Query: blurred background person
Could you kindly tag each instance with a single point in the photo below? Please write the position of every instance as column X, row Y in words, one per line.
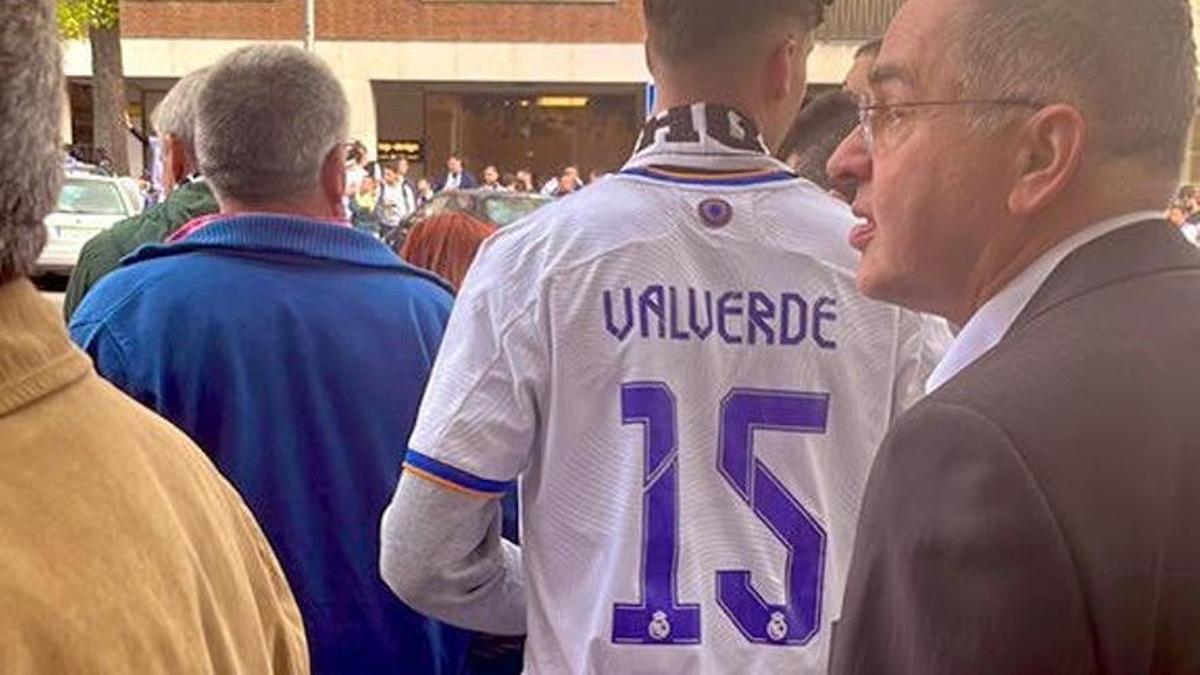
column 397, row 196
column 858, row 77
column 555, row 186
column 446, row 245
column 425, row 192
column 820, row 127
column 1187, row 197
column 525, row 181
column 273, row 337
column 1190, row 228
column 1177, row 213
column 124, row 550
column 149, row 192
column 457, row 177
column 356, row 165
column 509, row 181
column 363, row 206
column 565, row 184
column 187, row 194
column 491, row 179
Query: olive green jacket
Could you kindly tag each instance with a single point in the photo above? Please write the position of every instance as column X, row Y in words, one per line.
column 102, row 254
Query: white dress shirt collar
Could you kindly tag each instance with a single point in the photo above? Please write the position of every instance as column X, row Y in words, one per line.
column 988, row 325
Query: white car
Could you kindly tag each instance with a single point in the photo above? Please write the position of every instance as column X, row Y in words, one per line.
column 87, row 205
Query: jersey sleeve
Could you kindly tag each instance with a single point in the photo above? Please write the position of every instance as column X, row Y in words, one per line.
column 480, row 416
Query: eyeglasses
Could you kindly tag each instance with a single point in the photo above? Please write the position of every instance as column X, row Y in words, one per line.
column 876, row 119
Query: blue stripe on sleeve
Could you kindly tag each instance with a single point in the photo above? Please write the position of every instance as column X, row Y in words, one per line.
column 455, row 475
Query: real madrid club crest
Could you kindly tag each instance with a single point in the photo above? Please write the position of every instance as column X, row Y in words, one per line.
column 777, row 628
column 660, row 627
column 716, row 212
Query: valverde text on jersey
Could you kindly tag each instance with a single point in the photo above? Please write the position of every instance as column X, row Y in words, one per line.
column 735, row 317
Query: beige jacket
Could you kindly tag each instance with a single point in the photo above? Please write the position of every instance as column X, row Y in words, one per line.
column 122, row 550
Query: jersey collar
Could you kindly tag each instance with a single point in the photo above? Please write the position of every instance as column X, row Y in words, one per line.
column 703, row 141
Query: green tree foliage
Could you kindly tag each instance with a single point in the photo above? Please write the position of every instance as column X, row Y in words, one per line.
column 99, row 22
column 76, row 18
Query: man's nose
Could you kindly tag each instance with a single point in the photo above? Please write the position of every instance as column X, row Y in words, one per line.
column 851, row 162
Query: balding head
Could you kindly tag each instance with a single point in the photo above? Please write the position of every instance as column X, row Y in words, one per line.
column 1129, row 67
column 30, row 109
column 1000, row 129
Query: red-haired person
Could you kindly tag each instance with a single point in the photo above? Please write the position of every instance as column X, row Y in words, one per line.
column 446, row 245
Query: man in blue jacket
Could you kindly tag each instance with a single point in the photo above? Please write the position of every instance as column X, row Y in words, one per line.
column 291, row 348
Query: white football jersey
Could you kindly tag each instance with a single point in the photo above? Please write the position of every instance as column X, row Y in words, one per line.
column 679, row 367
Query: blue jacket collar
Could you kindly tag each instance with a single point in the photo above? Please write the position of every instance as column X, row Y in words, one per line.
column 288, row 236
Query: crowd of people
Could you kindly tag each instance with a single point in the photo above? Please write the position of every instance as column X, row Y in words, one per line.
column 899, row 384
column 380, row 194
column 1184, row 213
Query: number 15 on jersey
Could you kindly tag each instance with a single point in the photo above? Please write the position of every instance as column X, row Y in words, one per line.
column 661, row 617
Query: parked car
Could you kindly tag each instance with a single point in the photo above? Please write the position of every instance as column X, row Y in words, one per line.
column 87, row 205
column 498, row 208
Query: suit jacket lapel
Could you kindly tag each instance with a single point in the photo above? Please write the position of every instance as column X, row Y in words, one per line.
column 1130, row 252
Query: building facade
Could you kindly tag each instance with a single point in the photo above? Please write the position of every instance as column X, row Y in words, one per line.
column 539, row 84
column 533, row 83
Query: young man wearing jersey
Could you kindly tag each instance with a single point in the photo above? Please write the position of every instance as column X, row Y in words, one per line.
column 678, row 365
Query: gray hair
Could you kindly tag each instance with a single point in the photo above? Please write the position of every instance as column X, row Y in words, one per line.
column 30, row 110
column 176, row 113
column 267, row 119
column 1129, row 67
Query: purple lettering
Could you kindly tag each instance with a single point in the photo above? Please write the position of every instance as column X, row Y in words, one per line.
column 619, row 333
column 793, row 304
column 725, row 309
column 760, row 313
column 820, row 315
column 652, row 302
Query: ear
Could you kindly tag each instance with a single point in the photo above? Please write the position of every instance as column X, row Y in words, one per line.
column 786, row 68
column 178, row 164
column 651, row 61
column 1050, row 152
column 333, row 180
column 779, row 69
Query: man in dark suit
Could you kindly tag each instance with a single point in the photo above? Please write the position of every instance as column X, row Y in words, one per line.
column 1038, row 511
column 457, row 178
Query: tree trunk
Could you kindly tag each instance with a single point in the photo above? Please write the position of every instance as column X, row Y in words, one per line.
column 108, row 96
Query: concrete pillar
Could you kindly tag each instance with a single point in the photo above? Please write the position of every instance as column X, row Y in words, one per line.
column 362, row 112
column 64, row 122
column 1190, row 168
